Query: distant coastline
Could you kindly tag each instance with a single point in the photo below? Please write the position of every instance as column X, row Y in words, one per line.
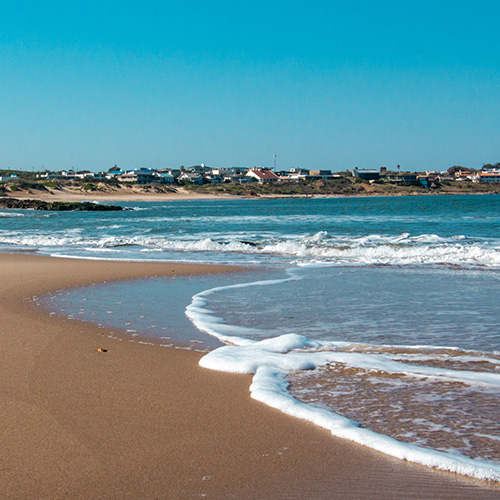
column 75, row 191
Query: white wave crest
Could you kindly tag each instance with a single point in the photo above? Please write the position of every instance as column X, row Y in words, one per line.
column 8, row 215
column 317, row 248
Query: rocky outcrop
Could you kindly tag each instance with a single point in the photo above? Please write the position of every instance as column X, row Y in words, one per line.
column 56, row 205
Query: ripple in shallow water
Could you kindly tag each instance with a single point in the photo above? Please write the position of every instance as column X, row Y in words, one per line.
column 447, row 416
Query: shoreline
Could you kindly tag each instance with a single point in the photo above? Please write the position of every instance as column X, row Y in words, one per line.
column 138, row 195
column 69, row 196
column 143, row 421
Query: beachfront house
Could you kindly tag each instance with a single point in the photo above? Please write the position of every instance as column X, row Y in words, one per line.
column 405, row 177
column 228, row 171
column 84, row 174
column 163, row 177
column 63, row 175
column 12, row 177
column 262, row 175
column 143, row 175
column 366, row 174
column 489, row 177
column 230, row 174
column 297, row 174
column 213, row 178
column 464, row 174
column 199, row 169
column 114, row 171
column 424, row 180
column 243, row 179
column 191, row 177
column 491, row 169
column 320, row 174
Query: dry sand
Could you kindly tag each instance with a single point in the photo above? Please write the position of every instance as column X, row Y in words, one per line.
column 146, row 422
column 113, row 195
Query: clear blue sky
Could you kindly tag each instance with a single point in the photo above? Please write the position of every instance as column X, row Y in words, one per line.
column 321, row 84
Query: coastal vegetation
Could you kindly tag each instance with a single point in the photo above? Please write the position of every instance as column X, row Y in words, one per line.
column 336, row 187
column 343, row 187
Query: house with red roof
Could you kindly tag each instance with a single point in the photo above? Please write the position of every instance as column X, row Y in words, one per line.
column 262, row 175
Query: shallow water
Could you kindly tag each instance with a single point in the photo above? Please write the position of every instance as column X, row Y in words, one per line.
column 150, row 309
column 443, row 415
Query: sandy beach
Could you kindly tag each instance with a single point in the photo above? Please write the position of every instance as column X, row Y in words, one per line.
column 113, row 195
column 146, row 422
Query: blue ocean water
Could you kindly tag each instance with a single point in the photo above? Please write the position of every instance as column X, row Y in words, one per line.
column 393, row 301
column 453, row 230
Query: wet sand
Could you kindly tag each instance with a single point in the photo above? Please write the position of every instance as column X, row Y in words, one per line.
column 146, row 422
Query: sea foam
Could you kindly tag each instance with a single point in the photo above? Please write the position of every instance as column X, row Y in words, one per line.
column 271, row 360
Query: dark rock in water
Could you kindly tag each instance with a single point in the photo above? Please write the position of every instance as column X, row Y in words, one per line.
column 56, row 205
column 250, row 243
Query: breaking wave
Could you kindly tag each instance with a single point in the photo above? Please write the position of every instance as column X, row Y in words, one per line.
column 404, row 249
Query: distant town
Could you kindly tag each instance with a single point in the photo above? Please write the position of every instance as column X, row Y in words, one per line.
column 202, row 174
